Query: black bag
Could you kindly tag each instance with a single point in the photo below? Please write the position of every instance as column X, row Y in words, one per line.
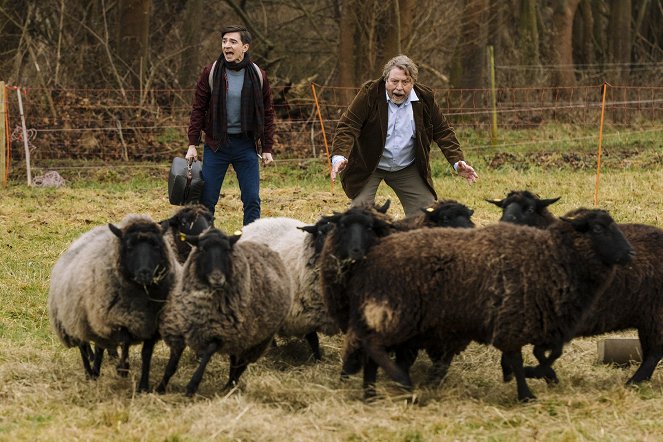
column 185, row 184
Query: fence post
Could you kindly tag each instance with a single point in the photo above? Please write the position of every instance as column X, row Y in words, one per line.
column 604, row 91
column 25, row 138
column 324, row 136
column 3, row 135
column 493, row 97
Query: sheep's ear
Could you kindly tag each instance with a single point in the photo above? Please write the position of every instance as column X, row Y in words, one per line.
column 116, row 230
column 498, row 203
column 579, row 224
column 547, row 202
column 309, row 229
column 383, row 227
column 235, row 237
column 470, row 211
column 385, row 206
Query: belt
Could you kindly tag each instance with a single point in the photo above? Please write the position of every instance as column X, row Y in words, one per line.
column 239, row 135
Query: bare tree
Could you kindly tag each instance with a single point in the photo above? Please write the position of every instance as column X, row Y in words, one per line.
column 562, row 43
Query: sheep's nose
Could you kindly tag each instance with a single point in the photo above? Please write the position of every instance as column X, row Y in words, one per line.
column 143, row 276
column 216, row 278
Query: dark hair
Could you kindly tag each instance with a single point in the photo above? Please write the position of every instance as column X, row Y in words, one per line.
column 244, row 35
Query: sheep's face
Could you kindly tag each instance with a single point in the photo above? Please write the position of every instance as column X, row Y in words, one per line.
column 143, row 256
column 525, row 208
column 607, row 240
column 214, row 258
column 318, row 232
column 192, row 220
column 356, row 231
column 449, row 214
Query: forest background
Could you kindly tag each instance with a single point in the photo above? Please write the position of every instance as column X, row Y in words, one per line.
column 114, row 79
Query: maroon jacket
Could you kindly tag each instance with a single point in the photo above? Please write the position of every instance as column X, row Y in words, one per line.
column 201, row 112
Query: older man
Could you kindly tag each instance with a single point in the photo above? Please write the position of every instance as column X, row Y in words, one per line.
column 386, row 134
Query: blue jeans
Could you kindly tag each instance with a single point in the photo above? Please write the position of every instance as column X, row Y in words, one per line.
column 241, row 153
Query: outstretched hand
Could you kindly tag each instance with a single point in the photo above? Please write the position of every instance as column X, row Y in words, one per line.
column 337, row 168
column 467, row 172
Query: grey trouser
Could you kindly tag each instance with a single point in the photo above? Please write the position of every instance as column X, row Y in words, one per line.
column 408, row 185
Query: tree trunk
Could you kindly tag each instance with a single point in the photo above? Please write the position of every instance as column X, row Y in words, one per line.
column 562, row 46
column 470, row 54
column 583, row 41
column 346, row 50
column 619, row 40
column 190, row 68
column 133, row 27
column 529, row 37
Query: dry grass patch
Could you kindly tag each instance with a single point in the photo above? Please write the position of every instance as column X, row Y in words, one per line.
column 285, row 395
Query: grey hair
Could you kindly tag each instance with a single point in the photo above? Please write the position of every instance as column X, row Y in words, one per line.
column 403, row 62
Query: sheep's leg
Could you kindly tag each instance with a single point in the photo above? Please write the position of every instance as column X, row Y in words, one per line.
column 381, row 357
column 544, row 369
column 405, row 357
column 441, row 363
column 87, row 356
column 171, row 367
column 651, row 355
column 507, row 373
column 353, row 355
column 370, row 376
column 122, row 366
column 514, row 359
column 146, row 361
column 112, row 352
column 198, row 375
column 237, row 367
column 98, row 358
column 314, row 343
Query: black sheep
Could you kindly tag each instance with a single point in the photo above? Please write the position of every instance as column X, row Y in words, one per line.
column 507, row 286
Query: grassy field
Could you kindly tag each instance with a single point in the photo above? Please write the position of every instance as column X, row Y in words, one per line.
column 286, row 396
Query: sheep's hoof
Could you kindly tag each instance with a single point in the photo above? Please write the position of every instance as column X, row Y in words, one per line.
column 143, row 388
column 527, row 397
column 161, row 388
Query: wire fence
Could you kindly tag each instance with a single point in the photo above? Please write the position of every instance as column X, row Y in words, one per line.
column 135, row 125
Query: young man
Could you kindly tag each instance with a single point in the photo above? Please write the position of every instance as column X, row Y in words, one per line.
column 232, row 104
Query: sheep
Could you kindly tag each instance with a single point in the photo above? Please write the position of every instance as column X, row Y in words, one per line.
column 443, row 213
column 299, row 246
column 352, row 234
column 191, row 219
column 109, row 288
column 633, row 300
column 233, row 298
column 506, row 285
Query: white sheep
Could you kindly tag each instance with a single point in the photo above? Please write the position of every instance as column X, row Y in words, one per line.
column 295, row 242
column 109, row 287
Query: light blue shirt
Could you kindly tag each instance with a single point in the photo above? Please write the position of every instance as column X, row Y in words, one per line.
column 398, row 150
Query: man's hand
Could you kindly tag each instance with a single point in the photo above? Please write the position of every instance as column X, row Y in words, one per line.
column 267, row 158
column 467, row 172
column 338, row 167
column 192, row 152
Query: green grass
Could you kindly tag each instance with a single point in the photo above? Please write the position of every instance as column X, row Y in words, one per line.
column 284, row 396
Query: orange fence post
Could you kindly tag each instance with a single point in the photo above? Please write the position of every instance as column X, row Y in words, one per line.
column 324, row 136
column 604, row 90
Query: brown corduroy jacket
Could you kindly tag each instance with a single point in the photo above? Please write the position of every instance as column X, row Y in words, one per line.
column 361, row 134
